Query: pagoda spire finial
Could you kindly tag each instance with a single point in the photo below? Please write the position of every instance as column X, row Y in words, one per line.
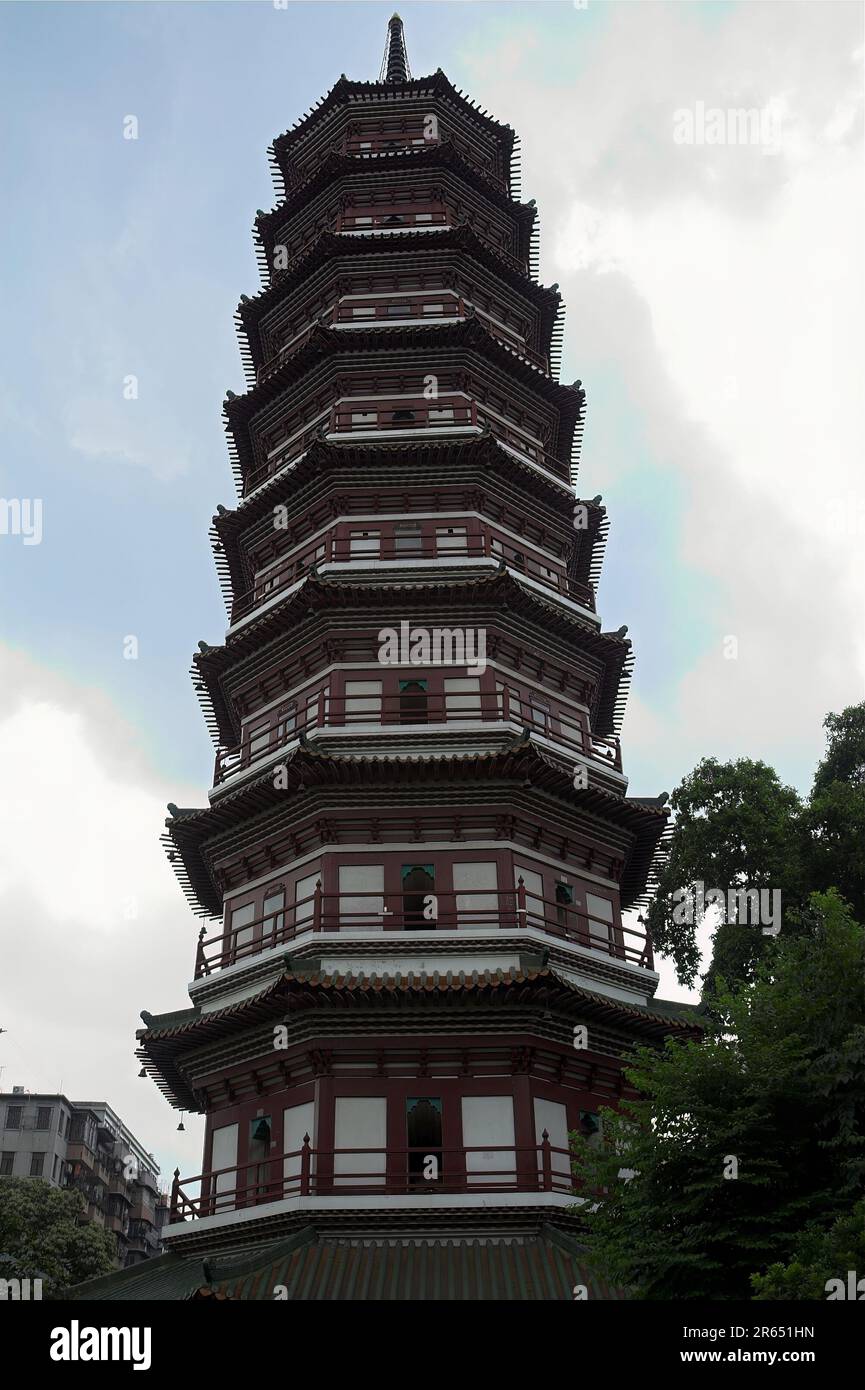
column 394, row 64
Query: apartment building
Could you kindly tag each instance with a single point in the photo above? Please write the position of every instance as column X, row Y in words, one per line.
column 85, row 1145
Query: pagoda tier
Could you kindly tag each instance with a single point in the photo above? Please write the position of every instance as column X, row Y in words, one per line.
column 503, row 507
column 442, row 276
column 419, row 852
column 406, row 382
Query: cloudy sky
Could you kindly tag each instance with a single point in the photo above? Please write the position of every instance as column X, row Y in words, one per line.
column 715, row 304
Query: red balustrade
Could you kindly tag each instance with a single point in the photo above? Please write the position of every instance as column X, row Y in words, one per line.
column 476, row 544
column 323, row 710
column 473, row 908
column 313, row 1172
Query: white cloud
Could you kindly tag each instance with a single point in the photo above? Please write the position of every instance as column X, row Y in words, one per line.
column 99, row 924
column 725, row 284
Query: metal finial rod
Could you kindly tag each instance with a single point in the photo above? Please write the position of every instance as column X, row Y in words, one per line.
column 394, row 64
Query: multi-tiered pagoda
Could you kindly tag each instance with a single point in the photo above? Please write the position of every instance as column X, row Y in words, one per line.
column 415, row 977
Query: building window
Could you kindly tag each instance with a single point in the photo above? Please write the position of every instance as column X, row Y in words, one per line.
column 413, row 702
column 304, row 899
column 274, row 916
column 259, row 1139
column 13, row 1116
column 7, row 1163
column 259, row 739
column 361, row 900
column 408, row 538
column 508, row 701
column 418, row 885
column 600, row 912
column 564, row 900
column 463, row 697
column 476, row 893
column 364, row 543
column 362, row 702
column 451, row 540
column 423, row 1123
column 540, row 713
column 43, row 1117
column 590, row 1127
column 37, row 1162
column 241, row 928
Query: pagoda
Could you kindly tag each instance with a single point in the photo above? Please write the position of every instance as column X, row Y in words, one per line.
column 420, row 968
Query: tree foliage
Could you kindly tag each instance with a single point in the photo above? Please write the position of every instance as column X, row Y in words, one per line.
column 42, row 1237
column 818, row 1256
column 775, row 1092
column 835, row 818
column 738, row 826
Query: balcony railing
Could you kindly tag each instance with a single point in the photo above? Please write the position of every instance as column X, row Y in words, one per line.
column 309, row 1172
column 291, row 451
column 369, row 420
column 467, row 910
column 399, row 308
column 482, row 544
column 370, row 143
column 392, row 220
column 326, row 711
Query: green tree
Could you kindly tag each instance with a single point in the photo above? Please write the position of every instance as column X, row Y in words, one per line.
column 42, row 1237
column 818, row 1256
column 835, row 817
column 775, row 1094
column 737, row 826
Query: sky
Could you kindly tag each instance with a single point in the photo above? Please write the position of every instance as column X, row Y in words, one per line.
column 715, row 297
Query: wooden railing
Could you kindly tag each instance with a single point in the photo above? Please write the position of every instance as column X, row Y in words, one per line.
column 480, row 543
column 323, row 710
column 371, row 143
column 392, row 219
column 405, row 416
column 494, row 910
column 445, row 413
column 427, row 308
column 311, row 1172
column 292, row 450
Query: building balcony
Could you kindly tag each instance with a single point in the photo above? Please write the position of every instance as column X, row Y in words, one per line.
column 454, row 543
column 372, row 144
column 407, row 419
column 398, row 310
column 481, row 911
column 377, row 1176
column 425, row 712
column 142, row 1238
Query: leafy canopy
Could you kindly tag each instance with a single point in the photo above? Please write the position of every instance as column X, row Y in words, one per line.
column 41, row 1236
column 775, row 1094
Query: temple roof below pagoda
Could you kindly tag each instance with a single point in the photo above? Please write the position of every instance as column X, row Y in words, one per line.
column 312, row 1267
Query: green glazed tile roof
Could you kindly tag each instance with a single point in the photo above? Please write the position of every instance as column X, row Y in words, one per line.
column 307, row 1267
